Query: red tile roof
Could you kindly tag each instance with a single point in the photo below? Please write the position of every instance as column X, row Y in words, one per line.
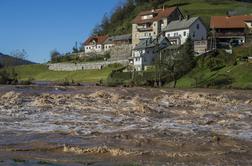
column 97, row 39
column 229, row 21
column 158, row 14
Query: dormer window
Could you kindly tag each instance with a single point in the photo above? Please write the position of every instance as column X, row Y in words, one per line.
column 93, row 42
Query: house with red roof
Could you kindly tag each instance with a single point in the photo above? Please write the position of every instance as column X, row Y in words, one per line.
column 231, row 29
column 150, row 23
column 95, row 44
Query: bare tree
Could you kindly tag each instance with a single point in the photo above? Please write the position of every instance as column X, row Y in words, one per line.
column 19, row 54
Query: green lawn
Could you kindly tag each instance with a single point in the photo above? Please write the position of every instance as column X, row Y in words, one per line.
column 41, row 73
column 241, row 75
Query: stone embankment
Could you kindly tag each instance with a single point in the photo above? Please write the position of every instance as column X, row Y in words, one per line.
column 82, row 66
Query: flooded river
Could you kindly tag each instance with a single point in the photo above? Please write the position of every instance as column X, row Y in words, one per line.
column 43, row 125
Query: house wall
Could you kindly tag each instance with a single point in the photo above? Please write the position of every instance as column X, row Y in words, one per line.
column 107, row 47
column 193, row 32
column 144, row 57
column 137, row 35
column 93, row 48
column 157, row 27
column 182, row 34
column 201, row 33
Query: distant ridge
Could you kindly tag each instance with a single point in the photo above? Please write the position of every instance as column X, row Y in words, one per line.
column 6, row 60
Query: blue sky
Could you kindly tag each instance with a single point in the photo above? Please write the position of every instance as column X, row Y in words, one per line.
column 40, row 26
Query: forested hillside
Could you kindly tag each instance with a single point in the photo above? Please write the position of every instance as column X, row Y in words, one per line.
column 6, row 60
column 119, row 21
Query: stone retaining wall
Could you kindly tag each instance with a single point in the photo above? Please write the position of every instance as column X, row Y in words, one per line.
column 120, row 52
column 82, row 66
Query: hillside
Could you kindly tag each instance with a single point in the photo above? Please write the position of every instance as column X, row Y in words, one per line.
column 233, row 76
column 119, row 21
column 6, row 60
column 220, row 71
column 39, row 72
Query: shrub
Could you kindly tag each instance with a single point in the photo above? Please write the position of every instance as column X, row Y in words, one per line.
column 8, row 77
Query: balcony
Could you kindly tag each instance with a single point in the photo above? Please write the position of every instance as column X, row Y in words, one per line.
column 144, row 28
column 225, row 34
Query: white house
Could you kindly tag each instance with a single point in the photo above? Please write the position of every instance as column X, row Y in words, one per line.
column 95, row 44
column 178, row 31
column 145, row 53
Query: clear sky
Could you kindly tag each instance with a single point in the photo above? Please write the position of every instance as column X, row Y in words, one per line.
column 40, row 26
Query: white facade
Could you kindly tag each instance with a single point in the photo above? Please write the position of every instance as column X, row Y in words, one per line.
column 145, row 55
column 197, row 31
column 93, row 48
column 143, row 58
column 107, row 47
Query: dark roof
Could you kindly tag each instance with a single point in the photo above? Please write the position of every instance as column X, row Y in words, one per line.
column 111, row 39
column 150, row 42
column 180, row 24
column 158, row 14
column 229, row 21
column 97, row 39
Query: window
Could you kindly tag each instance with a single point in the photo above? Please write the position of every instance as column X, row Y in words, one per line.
column 197, row 26
column 168, row 35
column 176, row 34
column 154, row 33
column 148, row 52
column 154, row 24
column 193, row 34
column 149, row 34
column 184, row 33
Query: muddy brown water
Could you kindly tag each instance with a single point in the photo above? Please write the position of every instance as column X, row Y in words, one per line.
column 52, row 125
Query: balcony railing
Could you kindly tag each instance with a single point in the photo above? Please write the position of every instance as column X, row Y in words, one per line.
column 229, row 33
column 142, row 29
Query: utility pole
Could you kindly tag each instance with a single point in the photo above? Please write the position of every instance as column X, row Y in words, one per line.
column 159, row 73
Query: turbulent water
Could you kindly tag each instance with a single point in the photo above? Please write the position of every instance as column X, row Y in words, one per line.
column 124, row 126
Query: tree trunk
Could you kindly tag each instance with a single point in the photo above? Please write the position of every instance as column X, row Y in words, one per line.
column 175, row 83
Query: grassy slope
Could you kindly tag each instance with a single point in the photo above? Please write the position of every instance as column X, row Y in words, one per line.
column 41, row 73
column 208, row 9
column 241, row 75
